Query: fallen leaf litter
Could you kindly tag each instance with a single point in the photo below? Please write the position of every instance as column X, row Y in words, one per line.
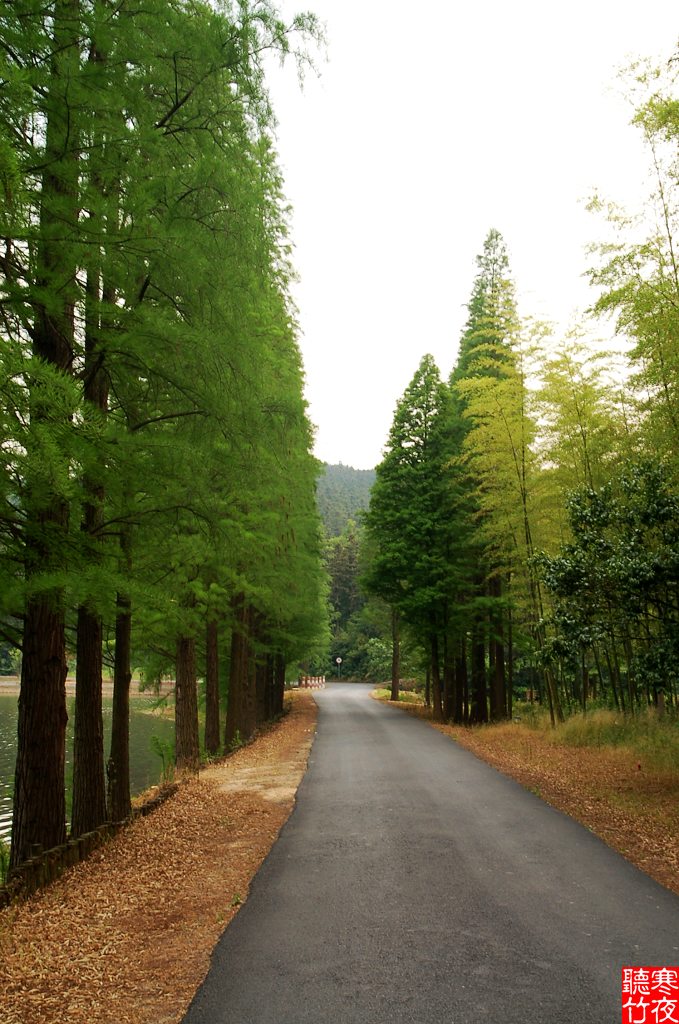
column 126, row 936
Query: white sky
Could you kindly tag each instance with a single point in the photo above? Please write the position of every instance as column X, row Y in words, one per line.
column 427, row 127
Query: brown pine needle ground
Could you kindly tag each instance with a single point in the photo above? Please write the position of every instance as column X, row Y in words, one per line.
column 632, row 807
column 126, row 937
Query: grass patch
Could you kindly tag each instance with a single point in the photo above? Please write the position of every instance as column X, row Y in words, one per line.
column 653, row 741
column 405, row 696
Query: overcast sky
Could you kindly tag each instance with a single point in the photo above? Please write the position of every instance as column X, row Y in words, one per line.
column 428, row 126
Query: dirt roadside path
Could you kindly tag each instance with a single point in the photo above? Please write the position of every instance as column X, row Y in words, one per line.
column 126, row 937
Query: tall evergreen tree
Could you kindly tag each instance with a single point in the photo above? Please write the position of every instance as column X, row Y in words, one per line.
column 407, row 517
column 158, row 447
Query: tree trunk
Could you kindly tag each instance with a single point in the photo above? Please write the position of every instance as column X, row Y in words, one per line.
column 510, row 663
column 498, row 693
column 449, row 681
column 279, row 684
column 261, row 671
column 395, row 653
column 437, row 705
column 461, row 710
column 234, row 731
column 89, row 779
column 118, row 767
column 479, row 708
column 187, row 747
column 614, row 672
column 39, row 812
column 249, row 692
column 212, row 688
column 270, row 687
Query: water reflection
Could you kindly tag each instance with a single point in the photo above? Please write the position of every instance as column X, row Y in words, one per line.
column 149, row 733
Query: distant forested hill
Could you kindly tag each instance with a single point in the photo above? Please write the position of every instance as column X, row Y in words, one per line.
column 342, row 493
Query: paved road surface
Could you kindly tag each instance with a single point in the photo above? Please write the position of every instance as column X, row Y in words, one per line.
column 413, row 883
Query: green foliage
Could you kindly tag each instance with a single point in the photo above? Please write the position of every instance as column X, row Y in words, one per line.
column 342, row 561
column 4, row 861
column 342, row 494
column 619, row 577
column 407, row 522
column 165, row 751
column 538, row 506
column 155, row 440
column 236, row 743
column 637, row 271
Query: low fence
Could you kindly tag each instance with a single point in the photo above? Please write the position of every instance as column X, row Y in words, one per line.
column 45, row 866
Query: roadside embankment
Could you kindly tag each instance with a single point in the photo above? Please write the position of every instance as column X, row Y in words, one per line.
column 126, row 936
column 629, row 800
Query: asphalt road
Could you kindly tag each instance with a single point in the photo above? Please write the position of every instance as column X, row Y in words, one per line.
column 413, row 883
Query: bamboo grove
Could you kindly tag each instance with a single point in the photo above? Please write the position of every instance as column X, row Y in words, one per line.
column 524, row 524
column 157, row 500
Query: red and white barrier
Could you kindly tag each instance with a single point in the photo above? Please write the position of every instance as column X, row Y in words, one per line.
column 312, row 682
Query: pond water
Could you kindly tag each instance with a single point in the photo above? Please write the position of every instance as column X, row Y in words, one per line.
column 150, row 733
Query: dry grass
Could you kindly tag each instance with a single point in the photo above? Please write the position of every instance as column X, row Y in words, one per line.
column 126, row 937
column 629, row 803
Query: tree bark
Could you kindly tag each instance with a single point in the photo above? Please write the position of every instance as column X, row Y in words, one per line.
column 498, row 693
column 449, row 681
column 39, row 811
column 89, row 779
column 395, row 653
column 234, row 731
column 261, row 685
column 187, row 746
column 212, row 687
column 479, row 708
column 118, row 767
column 270, row 684
column 510, row 663
column 437, row 705
column 279, row 684
column 461, row 712
column 249, row 691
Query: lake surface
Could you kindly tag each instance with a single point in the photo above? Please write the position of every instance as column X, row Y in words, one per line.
column 149, row 732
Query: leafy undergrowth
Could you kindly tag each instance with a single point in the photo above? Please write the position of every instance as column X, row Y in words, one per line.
column 126, row 936
column 623, row 784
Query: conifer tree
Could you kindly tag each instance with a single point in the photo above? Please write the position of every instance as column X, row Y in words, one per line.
column 407, row 516
column 158, row 447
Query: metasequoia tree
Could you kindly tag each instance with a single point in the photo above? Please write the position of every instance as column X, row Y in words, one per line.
column 42, row 321
column 152, row 378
